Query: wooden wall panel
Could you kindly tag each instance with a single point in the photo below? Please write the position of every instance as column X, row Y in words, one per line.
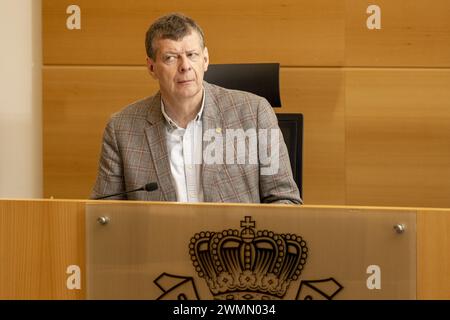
column 319, row 95
column 292, row 32
column 38, row 241
column 372, row 136
column 398, row 137
column 79, row 101
column 77, row 105
column 413, row 33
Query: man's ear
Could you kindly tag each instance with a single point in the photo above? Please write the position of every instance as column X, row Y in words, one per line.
column 151, row 67
column 206, row 59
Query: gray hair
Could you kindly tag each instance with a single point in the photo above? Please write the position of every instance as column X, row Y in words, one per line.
column 174, row 26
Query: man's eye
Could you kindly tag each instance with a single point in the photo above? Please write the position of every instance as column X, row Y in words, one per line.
column 192, row 55
column 169, row 59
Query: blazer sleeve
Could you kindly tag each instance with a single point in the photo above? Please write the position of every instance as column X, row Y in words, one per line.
column 276, row 181
column 110, row 177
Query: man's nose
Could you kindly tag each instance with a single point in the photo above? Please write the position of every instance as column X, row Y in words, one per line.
column 185, row 64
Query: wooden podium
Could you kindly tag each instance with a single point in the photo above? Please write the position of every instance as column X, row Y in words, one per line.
column 221, row 251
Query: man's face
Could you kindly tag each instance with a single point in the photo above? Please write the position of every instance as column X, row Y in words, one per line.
column 179, row 66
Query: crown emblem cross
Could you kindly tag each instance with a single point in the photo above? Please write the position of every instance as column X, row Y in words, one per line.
column 247, row 232
column 248, row 223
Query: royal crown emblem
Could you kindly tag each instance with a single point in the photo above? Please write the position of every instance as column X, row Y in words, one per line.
column 248, row 264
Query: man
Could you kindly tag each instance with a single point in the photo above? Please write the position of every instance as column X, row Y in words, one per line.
column 184, row 137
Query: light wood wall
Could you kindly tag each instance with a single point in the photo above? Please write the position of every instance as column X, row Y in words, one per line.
column 376, row 102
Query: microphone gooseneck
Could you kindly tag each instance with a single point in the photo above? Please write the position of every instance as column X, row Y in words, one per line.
column 152, row 186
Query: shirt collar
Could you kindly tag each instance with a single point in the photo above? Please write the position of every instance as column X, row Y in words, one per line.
column 173, row 124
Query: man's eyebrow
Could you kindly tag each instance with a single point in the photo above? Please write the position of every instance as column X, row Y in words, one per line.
column 170, row 52
column 179, row 52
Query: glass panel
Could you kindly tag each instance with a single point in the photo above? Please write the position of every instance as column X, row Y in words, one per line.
column 208, row 251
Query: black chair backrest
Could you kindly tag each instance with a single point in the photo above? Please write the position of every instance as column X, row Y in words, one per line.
column 258, row 78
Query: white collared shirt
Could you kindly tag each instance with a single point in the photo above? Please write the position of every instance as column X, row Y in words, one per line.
column 185, row 155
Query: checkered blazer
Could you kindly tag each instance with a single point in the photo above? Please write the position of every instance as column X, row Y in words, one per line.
column 134, row 152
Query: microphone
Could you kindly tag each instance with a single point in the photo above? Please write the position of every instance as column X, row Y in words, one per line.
column 152, row 186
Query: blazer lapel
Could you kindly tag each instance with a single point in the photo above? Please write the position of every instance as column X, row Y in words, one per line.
column 156, row 138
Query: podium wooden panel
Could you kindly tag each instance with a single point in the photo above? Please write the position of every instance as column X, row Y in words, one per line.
column 40, row 238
